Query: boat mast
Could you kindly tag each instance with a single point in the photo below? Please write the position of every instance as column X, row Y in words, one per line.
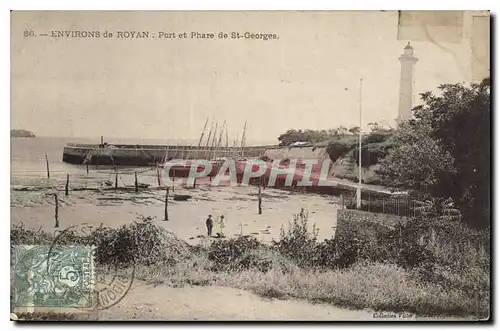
column 213, row 138
column 220, row 139
column 235, row 151
column 243, row 138
column 208, row 138
column 178, row 149
column 201, row 138
column 203, row 133
column 227, row 143
column 209, row 134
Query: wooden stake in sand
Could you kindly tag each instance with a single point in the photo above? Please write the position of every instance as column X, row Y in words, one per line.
column 158, row 175
column 87, row 164
column 116, row 179
column 47, row 162
column 166, row 204
column 173, row 182
column 57, row 211
column 260, row 201
column 136, row 183
column 66, row 188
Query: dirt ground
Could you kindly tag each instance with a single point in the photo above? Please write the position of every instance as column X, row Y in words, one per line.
column 147, row 302
column 210, row 303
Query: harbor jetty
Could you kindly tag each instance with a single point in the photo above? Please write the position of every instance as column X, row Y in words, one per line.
column 211, row 148
column 150, row 155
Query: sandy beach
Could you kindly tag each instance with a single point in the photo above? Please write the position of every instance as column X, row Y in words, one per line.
column 32, row 204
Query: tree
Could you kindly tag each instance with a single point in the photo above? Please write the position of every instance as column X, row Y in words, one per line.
column 310, row 136
column 342, row 130
column 416, row 161
column 354, row 130
column 445, row 151
column 460, row 120
column 374, row 126
column 290, row 137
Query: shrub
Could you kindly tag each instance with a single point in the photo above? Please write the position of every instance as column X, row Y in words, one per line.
column 141, row 242
column 297, row 243
column 340, row 146
column 371, row 153
column 225, row 253
column 327, row 254
column 358, row 242
column 245, row 253
column 264, row 260
column 21, row 236
column 377, row 137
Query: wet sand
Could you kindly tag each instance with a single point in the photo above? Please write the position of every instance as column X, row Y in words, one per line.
column 33, row 204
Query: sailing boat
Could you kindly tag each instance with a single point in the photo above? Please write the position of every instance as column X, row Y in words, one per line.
column 183, row 169
column 242, row 162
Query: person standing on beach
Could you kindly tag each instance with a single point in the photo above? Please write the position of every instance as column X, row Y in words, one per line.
column 222, row 224
column 210, row 225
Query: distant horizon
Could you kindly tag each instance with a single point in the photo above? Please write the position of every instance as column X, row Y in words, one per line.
column 194, row 139
column 109, row 138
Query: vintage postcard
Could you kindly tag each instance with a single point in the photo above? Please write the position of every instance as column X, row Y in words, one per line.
column 250, row 165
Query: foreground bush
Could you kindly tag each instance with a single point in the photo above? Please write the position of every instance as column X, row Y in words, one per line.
column 244, row 253
column 297, row 243
column 22, row 236
column 141, row 242
column 146, row 242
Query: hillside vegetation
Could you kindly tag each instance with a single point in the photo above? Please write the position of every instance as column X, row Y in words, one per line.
column 342, row 144
column 21, row 134
column 443, row 154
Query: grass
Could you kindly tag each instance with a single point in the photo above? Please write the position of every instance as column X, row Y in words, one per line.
column 365, row 285
column 455, row 280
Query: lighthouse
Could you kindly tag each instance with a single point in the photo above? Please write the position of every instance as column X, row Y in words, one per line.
column 408, row 61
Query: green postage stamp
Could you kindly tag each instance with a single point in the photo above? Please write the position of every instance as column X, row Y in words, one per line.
column 52, row 276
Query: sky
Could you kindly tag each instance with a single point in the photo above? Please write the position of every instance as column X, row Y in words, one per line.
column 167, row 88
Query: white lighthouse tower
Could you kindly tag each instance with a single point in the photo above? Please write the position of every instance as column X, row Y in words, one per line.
column 408, row 61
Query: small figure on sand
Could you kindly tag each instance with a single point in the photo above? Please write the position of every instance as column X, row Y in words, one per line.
column 222, row 224
column 210, row 225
